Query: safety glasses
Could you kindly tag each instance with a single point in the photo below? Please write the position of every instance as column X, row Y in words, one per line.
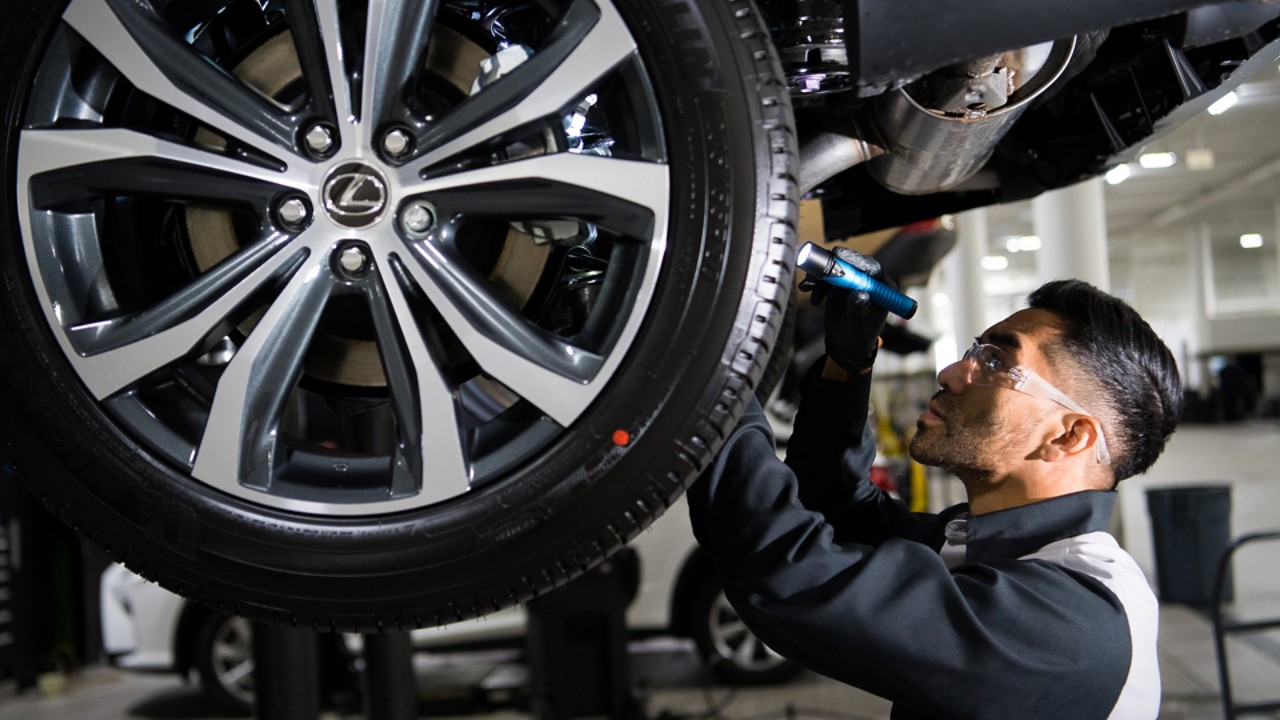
column 989, row 365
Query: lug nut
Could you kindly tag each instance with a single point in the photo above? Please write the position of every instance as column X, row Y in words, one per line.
column 319, row 139
column 418, row 218
column 293, row 212
column 396, row 142
column 353, row 259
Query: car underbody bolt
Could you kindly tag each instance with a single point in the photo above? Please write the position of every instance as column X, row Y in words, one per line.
column 418, row 218
column 396, row 142
column 293, row 212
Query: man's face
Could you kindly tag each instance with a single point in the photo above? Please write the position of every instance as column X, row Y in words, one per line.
column 980, row 429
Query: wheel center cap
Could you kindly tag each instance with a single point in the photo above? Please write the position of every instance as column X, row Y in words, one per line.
column 355, row 195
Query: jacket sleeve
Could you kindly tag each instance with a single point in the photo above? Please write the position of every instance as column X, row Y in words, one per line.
column 831, row 451
column 883, row 612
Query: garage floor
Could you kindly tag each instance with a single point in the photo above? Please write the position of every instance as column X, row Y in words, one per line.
column 667, row 675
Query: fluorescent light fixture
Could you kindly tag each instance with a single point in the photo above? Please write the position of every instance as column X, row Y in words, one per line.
column 995, row 263
column 1022, row 243
column 1199, row 159
column 1118, row 174
column 1224, row 103
column 1251, row 240
column 1156, row 160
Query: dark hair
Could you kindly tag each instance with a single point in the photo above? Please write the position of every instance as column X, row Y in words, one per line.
column 1127, row 372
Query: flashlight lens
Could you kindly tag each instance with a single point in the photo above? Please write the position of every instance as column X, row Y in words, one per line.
column 803, row 256
column 813, row 259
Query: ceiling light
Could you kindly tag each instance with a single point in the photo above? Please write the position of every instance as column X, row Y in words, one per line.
column 1224, row 103
column 1155, row 160
column 1199, row 159
column 1118, row 174
column 1022, row 243
column 1250, row 241
column 995, row 263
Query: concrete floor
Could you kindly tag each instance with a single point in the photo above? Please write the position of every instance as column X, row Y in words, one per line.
column 671, row 683
column 667, row 678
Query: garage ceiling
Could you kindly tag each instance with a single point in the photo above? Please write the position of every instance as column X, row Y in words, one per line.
column 1239, row 194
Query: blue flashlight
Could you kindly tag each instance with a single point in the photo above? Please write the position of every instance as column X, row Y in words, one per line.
column 825, row 264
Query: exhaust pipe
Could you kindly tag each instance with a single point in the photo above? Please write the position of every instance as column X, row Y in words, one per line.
column 942, row 129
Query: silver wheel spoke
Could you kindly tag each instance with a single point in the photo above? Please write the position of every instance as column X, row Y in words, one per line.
column 318, row 37
column 730, row 630
column 241, row 437
column 238, row 672
column 622, row 194
column 545, row 370
column 535, row 90
column 169, row 70
column 42, row 151
column 228, row 652
column 141, row 345
column 745, row 655
column 395, row 44
column 310, row 43
column 429, row 453
column 392, row 49
column 226, row 280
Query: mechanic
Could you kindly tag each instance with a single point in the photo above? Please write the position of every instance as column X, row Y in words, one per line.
column 1016, row 604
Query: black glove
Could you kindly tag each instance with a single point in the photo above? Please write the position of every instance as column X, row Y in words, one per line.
column 853, row 322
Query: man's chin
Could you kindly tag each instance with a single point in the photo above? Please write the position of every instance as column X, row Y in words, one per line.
column 919, row 449
column 931, row 447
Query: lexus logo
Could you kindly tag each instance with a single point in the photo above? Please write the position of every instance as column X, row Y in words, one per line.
column 355, row 195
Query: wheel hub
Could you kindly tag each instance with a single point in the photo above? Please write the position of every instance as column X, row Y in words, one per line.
column 272, row 69
column 355, row 195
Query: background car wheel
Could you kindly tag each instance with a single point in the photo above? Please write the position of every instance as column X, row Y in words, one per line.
column 733, row 653
column 366, row 315
column 224, row 659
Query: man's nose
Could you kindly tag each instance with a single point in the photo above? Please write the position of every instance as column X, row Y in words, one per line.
column 955, row 376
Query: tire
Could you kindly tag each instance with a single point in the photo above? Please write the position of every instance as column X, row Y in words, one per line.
column 224, row 660
column 733, row 654
column 368, row 374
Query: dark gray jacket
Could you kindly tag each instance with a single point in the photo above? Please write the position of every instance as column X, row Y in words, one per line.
column 1042, row 616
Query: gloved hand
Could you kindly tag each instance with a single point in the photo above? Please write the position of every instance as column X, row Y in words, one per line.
column 853, row 323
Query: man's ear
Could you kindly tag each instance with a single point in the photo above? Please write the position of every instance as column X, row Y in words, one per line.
column 1079, row 434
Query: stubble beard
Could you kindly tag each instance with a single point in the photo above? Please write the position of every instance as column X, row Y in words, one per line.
column 965, row 446
column 945, row 448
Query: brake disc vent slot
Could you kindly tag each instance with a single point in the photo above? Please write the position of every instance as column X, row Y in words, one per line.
column 809, row 35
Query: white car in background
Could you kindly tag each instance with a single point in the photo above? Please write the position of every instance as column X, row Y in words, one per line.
column 148, row 628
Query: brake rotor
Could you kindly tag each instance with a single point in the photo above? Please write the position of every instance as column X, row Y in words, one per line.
column 337, row 357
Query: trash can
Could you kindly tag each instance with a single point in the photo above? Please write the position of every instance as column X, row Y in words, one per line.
column 1191, row 529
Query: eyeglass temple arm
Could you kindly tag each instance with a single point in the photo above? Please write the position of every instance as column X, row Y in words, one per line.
column 1032, row 384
